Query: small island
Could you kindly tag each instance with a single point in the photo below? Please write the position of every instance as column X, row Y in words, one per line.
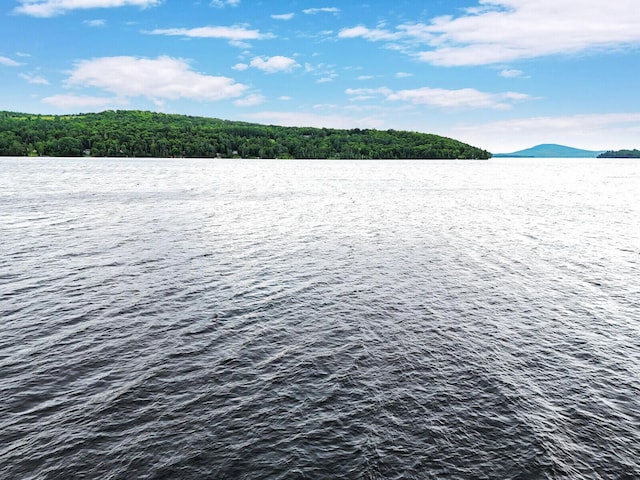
column 635, row 153
column 126, row 133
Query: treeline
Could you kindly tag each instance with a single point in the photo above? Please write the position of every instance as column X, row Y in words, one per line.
column 635, row 153
column 146, row 134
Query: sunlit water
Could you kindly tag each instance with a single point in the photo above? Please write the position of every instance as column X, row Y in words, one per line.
column 319, row 319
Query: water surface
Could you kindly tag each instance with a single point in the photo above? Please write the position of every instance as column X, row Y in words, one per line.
column 319, row 319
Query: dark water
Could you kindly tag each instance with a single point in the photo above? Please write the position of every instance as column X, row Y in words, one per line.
column 365, row 320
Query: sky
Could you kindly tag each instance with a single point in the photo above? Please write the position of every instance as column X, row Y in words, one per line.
column 502, row 75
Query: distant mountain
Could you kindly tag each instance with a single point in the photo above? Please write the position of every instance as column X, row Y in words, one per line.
column 551, row 150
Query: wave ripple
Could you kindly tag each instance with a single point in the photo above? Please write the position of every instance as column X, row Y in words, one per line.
column 316, row 319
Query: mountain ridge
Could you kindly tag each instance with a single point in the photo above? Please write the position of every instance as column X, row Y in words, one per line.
column 551, row 150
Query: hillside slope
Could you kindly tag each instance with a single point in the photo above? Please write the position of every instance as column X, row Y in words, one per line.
column 147, row 134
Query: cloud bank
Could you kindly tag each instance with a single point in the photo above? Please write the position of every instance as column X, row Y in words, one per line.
column 34, row 79
column 224, row 3
column 313, row 11
column 274, row 64
column 465, row 98
column 51, row 8
column 499, row 31
column 7, row 62
column 283, row 16
column 235, row 33
column 155, row 79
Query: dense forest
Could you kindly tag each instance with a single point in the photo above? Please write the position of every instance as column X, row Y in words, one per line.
column 620, row 154
column 146, row 134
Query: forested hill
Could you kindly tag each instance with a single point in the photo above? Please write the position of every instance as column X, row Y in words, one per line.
column 147, row 134
column 635, row 153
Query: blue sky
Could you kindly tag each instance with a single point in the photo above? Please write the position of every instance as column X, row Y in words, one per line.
column 499, row 74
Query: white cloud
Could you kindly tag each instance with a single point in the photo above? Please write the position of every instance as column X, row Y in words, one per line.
column 283, row 16
column 411, row 34
column 326, row 72
column 34, row 79
column 500, row 31
column 240, row 67
column 274, row 64
column 365, row 77
column 364, row 94
column 235, row 33
column 369, row 91
column 250, row 100
column 462, row 98
column 50, row 8
column 313, row 11
column 601, row 131
column 224, row 3
column 511, row 73
column 7, row 62
column 403, row 75
column 374, row 35
column 160, row 78
column 362, row 98
column 95, row 23
column 416, row 32
column 442, row 98
column 77, row 101
column 240, row 44
column 285, row 98
column 510, row 30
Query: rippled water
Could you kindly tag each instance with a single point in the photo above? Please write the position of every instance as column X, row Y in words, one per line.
column 319, row 319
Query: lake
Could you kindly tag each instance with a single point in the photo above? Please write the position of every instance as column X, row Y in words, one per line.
column 259, row 319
